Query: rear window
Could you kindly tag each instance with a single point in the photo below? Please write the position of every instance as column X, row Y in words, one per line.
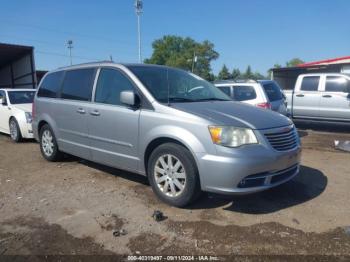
column 243, row 93
column 77, row 84
column 225, row 89
column 21, row 97
column 310, row 83
column 273, row 91
column 50, row 87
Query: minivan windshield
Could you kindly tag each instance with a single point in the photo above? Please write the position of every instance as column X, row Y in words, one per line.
column 174, row 85
column 21, row 97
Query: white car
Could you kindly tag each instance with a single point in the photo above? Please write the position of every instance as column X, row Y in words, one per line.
column 16, row 113
column 262, row 93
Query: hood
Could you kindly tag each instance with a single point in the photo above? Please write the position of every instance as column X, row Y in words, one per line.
column 23, row 107
column 235, row 114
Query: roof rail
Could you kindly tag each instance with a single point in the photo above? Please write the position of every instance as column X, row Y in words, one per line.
column 224, row 81
column 246, row 81
column 88, row 63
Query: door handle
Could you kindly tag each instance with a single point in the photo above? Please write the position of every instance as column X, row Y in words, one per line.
column 81, row 111
column 327, row 96
column 299, row 95
column 95, row 113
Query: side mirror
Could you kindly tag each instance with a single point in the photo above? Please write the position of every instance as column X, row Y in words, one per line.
column 128, row 98
column 2, row 101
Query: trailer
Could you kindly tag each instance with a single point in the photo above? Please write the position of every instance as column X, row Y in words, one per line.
column 17, row 67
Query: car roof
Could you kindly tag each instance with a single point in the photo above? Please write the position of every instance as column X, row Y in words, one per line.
column 265, row 81
column 110, row 63
column 322, row 74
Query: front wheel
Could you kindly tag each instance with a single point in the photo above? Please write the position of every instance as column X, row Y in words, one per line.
column 173, row 175
column 15, row 131
column 48, row 144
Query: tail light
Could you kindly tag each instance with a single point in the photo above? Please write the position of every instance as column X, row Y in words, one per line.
column 33, row 110
column 264, row 105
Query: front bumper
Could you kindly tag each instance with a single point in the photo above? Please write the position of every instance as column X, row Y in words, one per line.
column 248, row 169
column 27, row 131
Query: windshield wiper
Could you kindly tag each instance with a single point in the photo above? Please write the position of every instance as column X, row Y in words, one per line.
column 180, row 99
column 212, row 99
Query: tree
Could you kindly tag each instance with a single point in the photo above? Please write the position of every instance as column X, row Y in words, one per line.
column 180, row 52
column 258, row 76
column 294, row 62
column 224, row 74
column 236, row 73
column 248, row 73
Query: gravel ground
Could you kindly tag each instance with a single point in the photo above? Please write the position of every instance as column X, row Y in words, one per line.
column 73, row 207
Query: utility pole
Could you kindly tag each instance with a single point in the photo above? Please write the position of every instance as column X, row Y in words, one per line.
column 70, row 47
column 138, row 9
column 194, row 61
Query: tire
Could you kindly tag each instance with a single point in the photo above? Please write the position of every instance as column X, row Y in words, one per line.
column 48, row 144
column 176, row 184
column 15, row 131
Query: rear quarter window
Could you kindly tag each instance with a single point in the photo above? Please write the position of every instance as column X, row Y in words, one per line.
column 78, row 83
column 273, row 91
column 51, row 85
column 243, row 93
column 225, row 89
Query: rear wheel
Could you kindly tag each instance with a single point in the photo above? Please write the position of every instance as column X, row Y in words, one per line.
column 173, row 175
column 15, row 132
column 48, row 145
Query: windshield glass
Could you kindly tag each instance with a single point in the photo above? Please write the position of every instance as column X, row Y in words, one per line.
column 273, row 91
column 21, row 97
column 174, row 85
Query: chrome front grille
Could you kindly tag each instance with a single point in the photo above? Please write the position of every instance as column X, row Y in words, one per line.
column 284, row 140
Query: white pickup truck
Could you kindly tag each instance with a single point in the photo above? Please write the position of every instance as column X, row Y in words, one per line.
column 320, row 97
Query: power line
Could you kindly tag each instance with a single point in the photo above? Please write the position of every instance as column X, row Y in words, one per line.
column 71, row 33
column 65, row 55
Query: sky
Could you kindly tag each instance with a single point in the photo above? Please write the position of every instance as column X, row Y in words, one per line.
column 259, row 33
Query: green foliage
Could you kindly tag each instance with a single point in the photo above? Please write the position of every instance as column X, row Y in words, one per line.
column 294, row 62
column 248, row 73
column 179, row 52
column 236, row 73
column 224, row 74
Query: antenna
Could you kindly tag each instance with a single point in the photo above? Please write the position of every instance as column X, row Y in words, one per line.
column 70, row 47
column 139, row 11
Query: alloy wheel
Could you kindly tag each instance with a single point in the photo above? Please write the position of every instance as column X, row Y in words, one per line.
column 47, row 143
column 170, row 175
column 13, row 130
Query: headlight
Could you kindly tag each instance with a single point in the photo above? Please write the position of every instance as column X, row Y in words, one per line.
column 29, row 117
column 232, row 136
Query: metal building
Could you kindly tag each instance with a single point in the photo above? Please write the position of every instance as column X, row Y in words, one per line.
column 287, row 76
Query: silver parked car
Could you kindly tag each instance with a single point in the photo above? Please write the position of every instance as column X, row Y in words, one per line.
column 262, row 93
column 172, row 126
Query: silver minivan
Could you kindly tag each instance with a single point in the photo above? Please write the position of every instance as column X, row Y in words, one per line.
column 172, row 126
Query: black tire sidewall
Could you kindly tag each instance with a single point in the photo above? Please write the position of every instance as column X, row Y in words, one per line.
column 192, row 188
column 19, row 135
column 56, row 155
